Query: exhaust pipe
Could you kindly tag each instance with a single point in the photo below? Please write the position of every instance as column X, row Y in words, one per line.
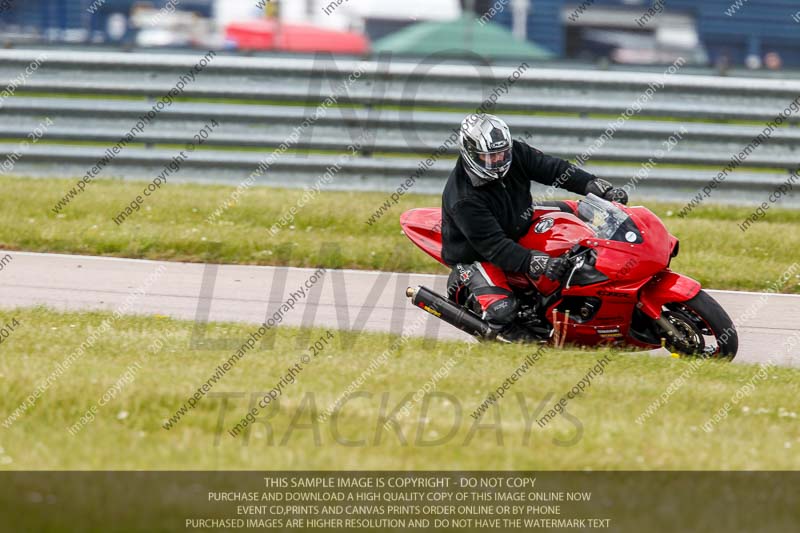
column 451, row 313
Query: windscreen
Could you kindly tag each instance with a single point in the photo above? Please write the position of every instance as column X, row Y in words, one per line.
column 607, row 220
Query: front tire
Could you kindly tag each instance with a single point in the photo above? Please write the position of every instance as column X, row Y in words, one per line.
column 705, row 328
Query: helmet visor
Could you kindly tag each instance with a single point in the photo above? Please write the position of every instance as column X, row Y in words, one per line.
column 494, row 161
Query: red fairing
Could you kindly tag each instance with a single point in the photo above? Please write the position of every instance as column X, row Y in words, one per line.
column 664, row 288
column 632, row 274
column 654, row 253
column 567, row 229
column 424, row 227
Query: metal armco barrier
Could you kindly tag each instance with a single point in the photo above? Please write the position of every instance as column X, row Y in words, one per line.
column 93, row 99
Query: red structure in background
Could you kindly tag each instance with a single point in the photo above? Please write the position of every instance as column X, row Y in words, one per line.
column 269, row 35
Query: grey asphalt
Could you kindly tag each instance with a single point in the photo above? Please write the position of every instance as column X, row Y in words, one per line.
column 768, row 325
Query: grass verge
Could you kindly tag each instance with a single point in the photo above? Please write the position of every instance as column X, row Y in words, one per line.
column 332, row 231
column 599, row 431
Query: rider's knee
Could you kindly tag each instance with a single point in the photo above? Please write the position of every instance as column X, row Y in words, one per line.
column 498, row 304
column 502, row 312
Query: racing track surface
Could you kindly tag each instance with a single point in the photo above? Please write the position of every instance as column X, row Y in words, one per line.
column 345, row 299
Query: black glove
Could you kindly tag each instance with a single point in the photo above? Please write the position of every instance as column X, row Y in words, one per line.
column 605, row 190
column 554, row 268
column 617, row 195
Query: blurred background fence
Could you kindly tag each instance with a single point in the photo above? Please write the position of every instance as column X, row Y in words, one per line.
column 408, row 108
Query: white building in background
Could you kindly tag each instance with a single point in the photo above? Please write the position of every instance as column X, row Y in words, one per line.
column 227, row 11
column 348, row 14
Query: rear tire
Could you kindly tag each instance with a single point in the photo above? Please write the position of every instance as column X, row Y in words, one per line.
column 702, row 316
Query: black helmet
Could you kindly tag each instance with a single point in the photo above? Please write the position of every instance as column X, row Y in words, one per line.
column 486, row 147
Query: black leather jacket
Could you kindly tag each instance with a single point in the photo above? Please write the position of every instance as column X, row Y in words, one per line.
column 484, row 223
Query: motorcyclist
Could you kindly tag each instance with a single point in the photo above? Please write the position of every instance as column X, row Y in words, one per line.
column 487, row 207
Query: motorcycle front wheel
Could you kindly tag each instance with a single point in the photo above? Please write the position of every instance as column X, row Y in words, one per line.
column 704, row 328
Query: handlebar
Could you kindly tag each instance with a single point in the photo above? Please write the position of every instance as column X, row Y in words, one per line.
column 576, row 261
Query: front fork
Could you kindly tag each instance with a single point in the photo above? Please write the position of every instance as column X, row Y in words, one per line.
column 664, row 288
column 670, row 330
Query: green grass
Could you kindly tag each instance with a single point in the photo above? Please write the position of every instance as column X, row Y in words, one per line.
column 331, row 230
column 761, row 432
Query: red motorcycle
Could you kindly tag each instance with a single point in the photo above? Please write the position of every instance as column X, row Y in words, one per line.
column 619, row 289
